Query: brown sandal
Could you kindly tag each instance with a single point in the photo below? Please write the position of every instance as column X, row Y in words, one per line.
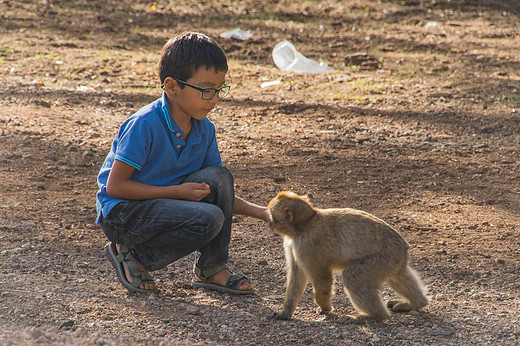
column 232, row 284
column 119, row 260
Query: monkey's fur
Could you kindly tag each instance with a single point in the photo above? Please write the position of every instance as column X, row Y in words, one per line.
column 367, row 250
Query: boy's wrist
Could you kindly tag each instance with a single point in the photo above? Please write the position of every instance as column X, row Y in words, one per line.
column 174, row 192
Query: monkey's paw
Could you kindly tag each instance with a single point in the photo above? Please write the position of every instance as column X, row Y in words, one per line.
column 281, row 316
column 353, row 319
column 322, row 311
column 397, row 305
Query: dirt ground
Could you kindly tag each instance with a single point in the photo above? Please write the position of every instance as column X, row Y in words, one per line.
column 422, row 131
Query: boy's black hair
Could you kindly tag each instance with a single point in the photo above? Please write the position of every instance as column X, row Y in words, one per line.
column 184, row 54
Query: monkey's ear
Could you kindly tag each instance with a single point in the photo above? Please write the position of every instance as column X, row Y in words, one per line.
column 288, row 215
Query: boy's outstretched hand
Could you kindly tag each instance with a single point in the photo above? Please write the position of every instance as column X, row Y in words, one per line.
column 244, row 207
column 193, row 191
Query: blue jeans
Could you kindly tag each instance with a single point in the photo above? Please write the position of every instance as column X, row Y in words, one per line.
column 165, row 230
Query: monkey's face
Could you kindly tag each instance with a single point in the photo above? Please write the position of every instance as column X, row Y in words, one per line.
column 277, row 218
column 286, row 212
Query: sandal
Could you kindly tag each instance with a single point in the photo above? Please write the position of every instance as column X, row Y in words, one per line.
column 119, row 260
column 232, row 284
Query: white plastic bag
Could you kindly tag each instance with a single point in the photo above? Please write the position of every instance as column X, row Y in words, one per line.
column 238, row 34
column 287, row 58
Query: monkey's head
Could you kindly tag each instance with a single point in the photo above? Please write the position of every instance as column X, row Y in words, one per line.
column 289, row 213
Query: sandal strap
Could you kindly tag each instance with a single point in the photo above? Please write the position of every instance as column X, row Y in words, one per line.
column 146, row 276
column 205, row 278
column 135, row 272
column 235, row 280
column 133, row 267
column 138, row 276
column 122, row 253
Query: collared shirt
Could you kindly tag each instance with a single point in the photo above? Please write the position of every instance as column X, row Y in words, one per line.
column 150, row 141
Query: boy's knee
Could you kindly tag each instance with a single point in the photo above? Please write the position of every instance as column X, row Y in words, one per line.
column 221, row 174
column 220, row 177
column 214, row 219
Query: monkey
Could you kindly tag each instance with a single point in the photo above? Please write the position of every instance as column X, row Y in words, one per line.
column 367, row 251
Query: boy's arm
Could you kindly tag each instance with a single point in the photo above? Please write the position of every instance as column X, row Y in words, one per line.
column 244, row 207
column 120, row 185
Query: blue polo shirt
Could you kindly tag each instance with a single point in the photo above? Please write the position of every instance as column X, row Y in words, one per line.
column 150, row 141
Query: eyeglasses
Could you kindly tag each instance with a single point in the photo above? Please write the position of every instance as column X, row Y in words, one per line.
column 207, row 93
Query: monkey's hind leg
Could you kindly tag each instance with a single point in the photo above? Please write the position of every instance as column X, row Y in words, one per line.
column 322, row 281
column 362, row 285
column 408, row 285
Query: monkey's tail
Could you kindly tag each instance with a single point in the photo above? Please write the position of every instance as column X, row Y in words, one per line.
column 409, row 285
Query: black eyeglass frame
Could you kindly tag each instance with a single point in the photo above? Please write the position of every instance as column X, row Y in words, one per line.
column 203, row 90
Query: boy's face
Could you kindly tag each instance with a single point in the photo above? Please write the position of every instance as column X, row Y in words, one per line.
column 187, row 102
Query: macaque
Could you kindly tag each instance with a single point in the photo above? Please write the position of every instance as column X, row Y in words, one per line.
column 364, row 248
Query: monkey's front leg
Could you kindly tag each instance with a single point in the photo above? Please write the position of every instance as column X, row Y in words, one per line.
column 296, row 281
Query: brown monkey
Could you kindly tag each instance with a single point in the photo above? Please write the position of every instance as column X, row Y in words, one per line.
column 367, row 250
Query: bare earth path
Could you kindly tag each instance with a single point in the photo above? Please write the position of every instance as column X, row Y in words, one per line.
column 425, row 137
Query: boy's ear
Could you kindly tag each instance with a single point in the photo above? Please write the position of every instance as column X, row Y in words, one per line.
column 170, row 84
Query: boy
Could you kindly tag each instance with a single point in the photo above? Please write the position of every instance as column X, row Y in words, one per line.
column 163, row 192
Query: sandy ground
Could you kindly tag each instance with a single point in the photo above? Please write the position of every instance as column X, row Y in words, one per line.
column 423, row 132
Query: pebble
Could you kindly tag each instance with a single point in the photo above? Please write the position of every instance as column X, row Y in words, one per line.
column 441, row 332
column 193, row 310
column 36, row 333
column 67, row 324
column 25, row 226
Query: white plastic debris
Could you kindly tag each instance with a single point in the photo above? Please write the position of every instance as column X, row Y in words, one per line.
column 84, row 88
column 238, row 34
column 431, row 25
column 270, row 83
column 287, row 58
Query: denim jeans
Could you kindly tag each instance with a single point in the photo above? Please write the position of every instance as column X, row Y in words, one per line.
column 165, row 230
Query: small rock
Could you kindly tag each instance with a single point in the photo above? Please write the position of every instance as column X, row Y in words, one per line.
column 193, row 310
column 161, row 332
column 363, row 60
column 26, row 226
column 404, row 320
column 43, row 103
column 442, row 332
column 67, row 324
column 279, row 180
column 36, row 333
